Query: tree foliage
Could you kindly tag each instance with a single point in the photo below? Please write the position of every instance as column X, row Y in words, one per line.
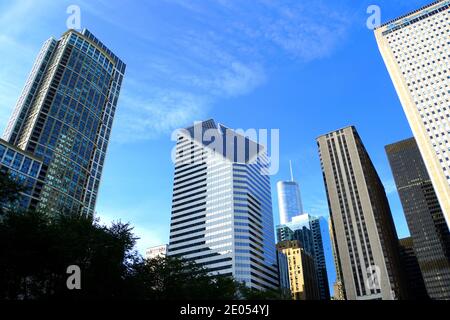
column 36, row 250
column 35, row 253
column 9, row 191
column 172, row 278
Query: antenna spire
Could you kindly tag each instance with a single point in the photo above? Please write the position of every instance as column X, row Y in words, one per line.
column 290, row 166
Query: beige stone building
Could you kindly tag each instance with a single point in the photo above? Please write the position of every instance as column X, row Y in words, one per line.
column 301, row 269
column 363, row 231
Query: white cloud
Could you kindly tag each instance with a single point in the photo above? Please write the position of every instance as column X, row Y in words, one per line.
column 318, row 207
column 389, row 186
column 16, row 20
column 146, row 116
column 18, row 17
column 240, row 79
column 229, row 80
column 12, row 18
column 218, row 50
column 306, row 31
column 211, row 51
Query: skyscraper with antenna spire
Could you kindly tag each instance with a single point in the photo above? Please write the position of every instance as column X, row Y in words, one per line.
column 290, row 167
column 289, row 199
column 310, row 232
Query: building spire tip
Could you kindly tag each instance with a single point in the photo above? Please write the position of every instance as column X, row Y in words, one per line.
column 292, row 174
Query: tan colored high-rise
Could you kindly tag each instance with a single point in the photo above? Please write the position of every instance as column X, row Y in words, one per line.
column 415, row 49
column 363, row 232
column 302, row 273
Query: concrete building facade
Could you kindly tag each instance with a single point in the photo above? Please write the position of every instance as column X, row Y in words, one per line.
column 363, row 231
column 416, row 50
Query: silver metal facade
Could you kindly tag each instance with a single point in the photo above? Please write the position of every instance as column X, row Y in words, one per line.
column 222, row 211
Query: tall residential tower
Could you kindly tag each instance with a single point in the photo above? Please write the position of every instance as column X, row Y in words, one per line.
column 64, row 118
column 416, row 50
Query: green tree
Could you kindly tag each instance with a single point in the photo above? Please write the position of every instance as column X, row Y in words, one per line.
column 177, row 279
column 247, row 293
column 36, row 250
column 9, row 191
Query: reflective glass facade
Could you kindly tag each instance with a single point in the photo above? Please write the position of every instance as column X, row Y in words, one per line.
column 312, row 234
column 221, row 209
column 322, row 254
column 415, row 283
column 65, row 115
column 426, row 222
column 24, row 168
column 289, row 200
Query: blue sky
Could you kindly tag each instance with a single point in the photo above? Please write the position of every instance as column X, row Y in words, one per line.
column 304, row 67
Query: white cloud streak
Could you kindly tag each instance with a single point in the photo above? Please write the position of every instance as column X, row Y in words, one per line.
column 180, row 71
column 16, row 20
column 389, row 186
column 210, row 52
column 146, row 117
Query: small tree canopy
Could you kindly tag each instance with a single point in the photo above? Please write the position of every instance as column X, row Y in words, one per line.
column 9, row 191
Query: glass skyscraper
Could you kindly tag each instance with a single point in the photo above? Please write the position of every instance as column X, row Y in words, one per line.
column 426, row 223
column 289, row 200
column 415, row 49
column 64, row 117
column 312, row 234
column 221, row 209
column 24, row 168
column 323, row 254
column 415, row 283
column 298, row 229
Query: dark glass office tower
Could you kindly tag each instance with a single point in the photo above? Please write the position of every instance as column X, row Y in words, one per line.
column 423, row 213
column 322, row 249
column 410, row 265
column 64, row 117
